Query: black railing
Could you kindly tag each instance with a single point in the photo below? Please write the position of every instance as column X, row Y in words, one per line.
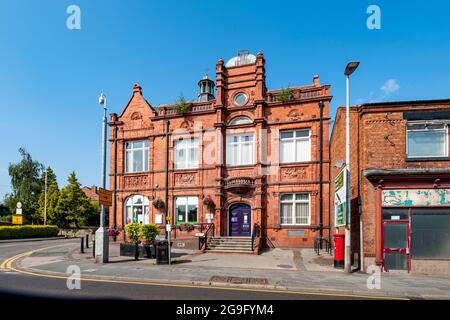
column 255, row 234
column 322, row 243
column 210, row 232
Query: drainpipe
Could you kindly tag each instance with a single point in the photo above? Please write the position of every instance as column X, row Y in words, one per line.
column 115, row 178
column 167, row 173
column 321, row 175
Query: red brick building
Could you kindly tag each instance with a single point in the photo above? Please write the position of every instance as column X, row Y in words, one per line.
column 400, row 183
column 255, row 152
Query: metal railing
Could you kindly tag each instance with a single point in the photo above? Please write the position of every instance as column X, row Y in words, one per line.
column 203, row 241
column 322, row 243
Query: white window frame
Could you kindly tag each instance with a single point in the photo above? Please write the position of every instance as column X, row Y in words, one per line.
column 240, row 145
column 294, row 139
column 186, row 209
column 294, row 201
column 445, row 129
column 188, row 145
column 129, row 155
column 132, row 202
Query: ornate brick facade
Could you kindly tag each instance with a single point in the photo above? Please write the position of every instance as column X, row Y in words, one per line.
column 259, row 184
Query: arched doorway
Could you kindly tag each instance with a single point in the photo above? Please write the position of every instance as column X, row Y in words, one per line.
column 240, row 220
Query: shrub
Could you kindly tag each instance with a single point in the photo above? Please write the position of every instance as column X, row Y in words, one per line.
column 285, row 95
column 149, row 232
column 182, row 106
column 27, row 231
column 134, row 231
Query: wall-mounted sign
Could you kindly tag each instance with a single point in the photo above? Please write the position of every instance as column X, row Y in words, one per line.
column 416, row 198
column 340, row 192
column 105, row 197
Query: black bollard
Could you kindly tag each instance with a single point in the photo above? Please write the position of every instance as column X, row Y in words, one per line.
column 93, row 248
column 87, row 241
column 82, row 245
column 136, row 251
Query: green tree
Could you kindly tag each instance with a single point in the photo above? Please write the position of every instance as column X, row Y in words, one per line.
column 73, row 207
column 52, row 196
column 25, row 186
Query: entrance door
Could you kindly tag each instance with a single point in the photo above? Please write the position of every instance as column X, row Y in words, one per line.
column 396, row 245
column 240, row 219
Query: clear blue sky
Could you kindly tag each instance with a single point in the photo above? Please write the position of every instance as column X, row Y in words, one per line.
column 50, row 77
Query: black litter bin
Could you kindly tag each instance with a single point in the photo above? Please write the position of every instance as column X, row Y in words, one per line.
column 162, row 252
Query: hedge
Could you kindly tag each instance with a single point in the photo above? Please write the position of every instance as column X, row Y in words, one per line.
column 27, row 231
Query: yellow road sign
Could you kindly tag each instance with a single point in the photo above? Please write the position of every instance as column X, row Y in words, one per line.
column 105, row 197
column 17, row 219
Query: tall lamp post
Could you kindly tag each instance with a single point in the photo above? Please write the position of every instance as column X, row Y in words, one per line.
column 101, row 235
column 351, row 67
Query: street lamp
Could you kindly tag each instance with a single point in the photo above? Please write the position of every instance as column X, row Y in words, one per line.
column 349, row 69
column 101, row 235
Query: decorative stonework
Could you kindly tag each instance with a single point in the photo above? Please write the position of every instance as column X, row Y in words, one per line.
column 295, row 114
column 185, row 178
column 293, row 173
column 186, row 124
column 136, row 116
column 135, row 182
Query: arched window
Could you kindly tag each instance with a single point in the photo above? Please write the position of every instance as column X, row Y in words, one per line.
column 136, row 209
column 240, row 120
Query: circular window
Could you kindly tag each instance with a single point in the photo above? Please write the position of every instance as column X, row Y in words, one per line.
column 240, row 99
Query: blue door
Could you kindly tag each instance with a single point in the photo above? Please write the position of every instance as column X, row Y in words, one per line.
column 240, row 220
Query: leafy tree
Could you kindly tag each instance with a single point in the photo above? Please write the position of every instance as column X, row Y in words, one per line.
column 285, row 95
column 52, row 196
column 25, row 186
column 73, row 207
column 182, row 106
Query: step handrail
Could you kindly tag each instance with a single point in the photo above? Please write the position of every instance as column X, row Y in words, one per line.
column 210, row 230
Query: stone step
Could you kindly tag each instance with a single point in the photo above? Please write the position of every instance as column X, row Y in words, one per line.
column 230, row 247
column 230, row 244
column 230, row 251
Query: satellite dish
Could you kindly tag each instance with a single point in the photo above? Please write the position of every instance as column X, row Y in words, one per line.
column 19, row 205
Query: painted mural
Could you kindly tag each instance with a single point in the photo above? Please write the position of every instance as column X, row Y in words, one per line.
column 416, row 198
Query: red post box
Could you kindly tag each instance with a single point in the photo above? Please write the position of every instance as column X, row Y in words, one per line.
column 339, row 246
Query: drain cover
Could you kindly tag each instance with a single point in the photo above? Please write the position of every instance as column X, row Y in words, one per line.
column 238, row 280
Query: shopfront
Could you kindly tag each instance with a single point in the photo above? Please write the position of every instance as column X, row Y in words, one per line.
column 414, row 229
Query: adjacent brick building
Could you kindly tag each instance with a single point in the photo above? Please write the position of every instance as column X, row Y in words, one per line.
column 400, row 183
column 254, row 151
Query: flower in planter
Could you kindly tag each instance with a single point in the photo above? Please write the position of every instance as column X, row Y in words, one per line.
column 159, row 204
column 186, row 227
column 149, row 232
column 209, row 203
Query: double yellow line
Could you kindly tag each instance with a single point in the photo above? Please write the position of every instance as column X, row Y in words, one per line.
column 7, row 264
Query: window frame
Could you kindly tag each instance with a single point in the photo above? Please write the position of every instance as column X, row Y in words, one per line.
column 240, row 144
column 425, row 122
column 294, row 201
column 242, row 118
column 145, row 151
column 188, row 150
column 177, row 222
column 295, row 139
column 130, row 202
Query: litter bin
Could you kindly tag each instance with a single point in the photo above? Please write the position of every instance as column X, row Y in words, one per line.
column 339, row 250
column 162, row 252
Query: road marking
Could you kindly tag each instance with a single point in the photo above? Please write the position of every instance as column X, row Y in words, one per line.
column 341, row 295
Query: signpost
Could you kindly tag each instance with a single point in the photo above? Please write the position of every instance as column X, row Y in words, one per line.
column 105, row 197
column 18, row 218
column 340, row 191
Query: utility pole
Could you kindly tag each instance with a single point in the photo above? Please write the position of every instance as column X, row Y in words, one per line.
column 45, row 198
column 101, row 235
column 351, row 67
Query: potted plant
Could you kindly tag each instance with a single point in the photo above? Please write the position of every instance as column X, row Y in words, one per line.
column 113, row 233
column 186, row 227
column 159, row 204
column 134, row 232
column 209, row 203
column 149, row 233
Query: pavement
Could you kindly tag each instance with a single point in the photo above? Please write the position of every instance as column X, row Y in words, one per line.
column 280, row 271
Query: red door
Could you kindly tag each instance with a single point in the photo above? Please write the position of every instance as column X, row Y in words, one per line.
column 396, row 245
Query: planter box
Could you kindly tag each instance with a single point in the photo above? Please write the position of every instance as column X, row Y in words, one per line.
column 145, row 251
